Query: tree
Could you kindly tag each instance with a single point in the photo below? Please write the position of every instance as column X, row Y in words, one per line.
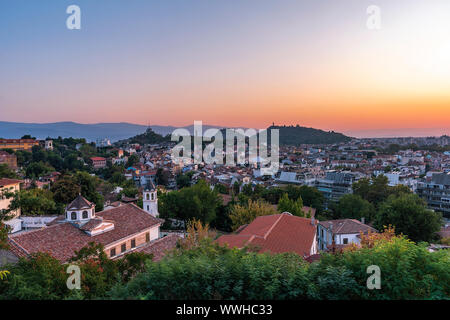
column 293, row 207
column 37, row 169
column 409, row 215
column 65, row 190
column 34, row 202
column 132, row 160
column 162, row 177
column 241, row 215
column 375, row 190
column 352, row 206
column 88, row 185
column 184, row 180
column 197, row 201
column 6, row 172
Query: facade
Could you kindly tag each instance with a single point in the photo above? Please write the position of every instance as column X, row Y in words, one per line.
column 120, row 230
column 18, row 144
column 276, row 233
column 341, row 232
column 10, row 185
column 9, row 159
column 335, row 185
column 436, row 192
column 98, row 162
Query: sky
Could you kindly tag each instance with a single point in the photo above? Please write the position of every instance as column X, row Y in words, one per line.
column 240, row 63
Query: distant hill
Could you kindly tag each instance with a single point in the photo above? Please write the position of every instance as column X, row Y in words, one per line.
column 148, row 137
column 121, row 131
column 296, row 135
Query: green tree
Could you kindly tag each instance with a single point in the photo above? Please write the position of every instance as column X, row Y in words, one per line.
column 352, row 206
column 65, row 190
column 6, row 172
column 241, row 215
column 34, row 202
column 409, row 215
column 293, row 207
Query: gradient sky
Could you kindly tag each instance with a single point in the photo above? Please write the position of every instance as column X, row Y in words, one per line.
column 230, row 63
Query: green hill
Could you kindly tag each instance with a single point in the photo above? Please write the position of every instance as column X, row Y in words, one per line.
column 296, row 135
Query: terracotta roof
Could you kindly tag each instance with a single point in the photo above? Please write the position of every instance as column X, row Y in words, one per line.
column 347, row 226
column 79, row 203
column 160, row 246
column 61, row 240
column 276, row 233
column 7, row 182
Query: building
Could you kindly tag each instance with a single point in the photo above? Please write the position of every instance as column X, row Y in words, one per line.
column 10, row 186
column 9, row 159
column 98, row 162
column 120, row 230
column 335, row 185
column 276, row 233
column 436, row 192
column 341, row 232
column 18, row 144
column 150, row 200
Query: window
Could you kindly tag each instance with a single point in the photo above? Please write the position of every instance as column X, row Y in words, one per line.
column 147, row 195
column 133, row 243
column 153, row 196
column 345, row 240
column 123, row 248
column 147, row 237
column 148, row 208
column 112, row 252
column 85, row 214
column 74, row 216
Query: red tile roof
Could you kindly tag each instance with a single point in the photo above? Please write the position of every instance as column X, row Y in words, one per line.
column 7, row 182
column 61, row 240
column 160, row 247
column 275, row 233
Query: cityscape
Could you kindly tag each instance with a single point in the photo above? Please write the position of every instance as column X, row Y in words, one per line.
column 130, row 171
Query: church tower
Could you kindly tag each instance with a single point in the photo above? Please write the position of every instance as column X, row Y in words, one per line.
column 150, row 200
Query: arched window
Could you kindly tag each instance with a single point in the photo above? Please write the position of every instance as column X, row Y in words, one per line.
column 85, row 214
column 74, row 216
column 153, row 196
column 147, row 196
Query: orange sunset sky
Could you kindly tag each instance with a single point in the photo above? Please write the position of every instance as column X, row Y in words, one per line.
column 230, row 63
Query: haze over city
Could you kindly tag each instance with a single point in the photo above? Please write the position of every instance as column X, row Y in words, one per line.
column 230, row 64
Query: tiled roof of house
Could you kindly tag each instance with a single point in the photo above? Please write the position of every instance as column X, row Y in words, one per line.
column 276, row 233
column 160, row 247
column 7, row 182
column 347, row 226
column 61, row 240
column 80, row 203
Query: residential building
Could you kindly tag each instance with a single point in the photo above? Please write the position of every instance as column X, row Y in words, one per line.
column 10, row 186
column 436, row 192
column 98, row 162
column 341, row 232
column 335, row 185
column 9, row 159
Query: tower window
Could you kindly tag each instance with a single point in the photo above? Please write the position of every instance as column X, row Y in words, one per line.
column 73, row 216
column 85, row 214
column 147, row 195
column 148, row 208
column 153, row 196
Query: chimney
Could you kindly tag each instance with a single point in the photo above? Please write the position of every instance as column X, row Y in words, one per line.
column 313, row 221
column 363, row 220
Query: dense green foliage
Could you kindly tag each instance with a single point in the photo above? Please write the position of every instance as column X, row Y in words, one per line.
column 408, row 271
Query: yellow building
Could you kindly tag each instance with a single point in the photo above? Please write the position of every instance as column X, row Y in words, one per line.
column 18, row 144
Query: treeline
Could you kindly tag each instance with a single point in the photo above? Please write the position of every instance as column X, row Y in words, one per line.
column 297, row 135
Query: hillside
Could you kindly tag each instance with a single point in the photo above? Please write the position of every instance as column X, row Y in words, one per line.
column 296, row 135
column 148, row 137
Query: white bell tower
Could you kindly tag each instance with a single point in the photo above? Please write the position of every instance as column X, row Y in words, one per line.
column 150, row 200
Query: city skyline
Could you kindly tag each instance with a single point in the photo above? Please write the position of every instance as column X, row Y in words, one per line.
column 238, row 65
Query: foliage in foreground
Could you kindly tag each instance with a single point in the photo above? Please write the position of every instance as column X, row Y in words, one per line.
column 408, row 271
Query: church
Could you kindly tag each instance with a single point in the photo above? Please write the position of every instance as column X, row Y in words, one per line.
column 120, row 230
